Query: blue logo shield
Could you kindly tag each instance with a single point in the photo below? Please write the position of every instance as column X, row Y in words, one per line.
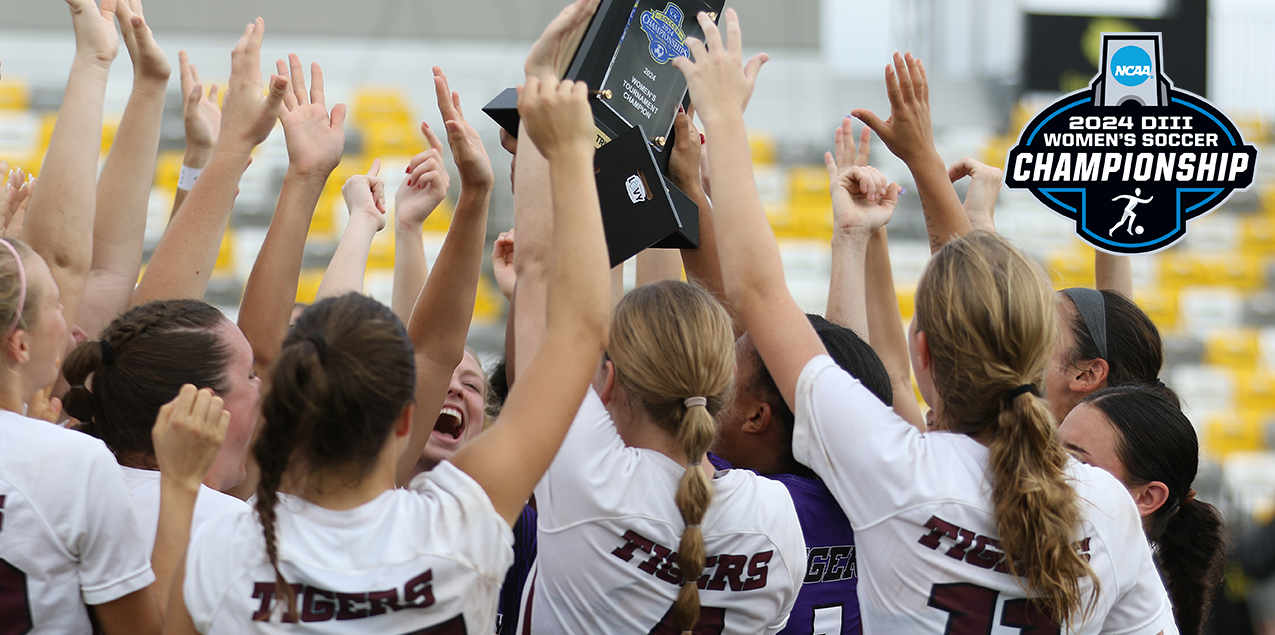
column 664, row 30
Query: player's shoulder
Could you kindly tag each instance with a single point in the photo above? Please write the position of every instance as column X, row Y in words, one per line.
column 46, row 453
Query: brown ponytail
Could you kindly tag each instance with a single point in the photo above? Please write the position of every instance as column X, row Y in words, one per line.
column 345, row 373
column 672, row 342
column 989, row 317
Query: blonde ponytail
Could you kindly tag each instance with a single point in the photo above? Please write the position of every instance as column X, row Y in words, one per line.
column 989, row 315
column 674, row 352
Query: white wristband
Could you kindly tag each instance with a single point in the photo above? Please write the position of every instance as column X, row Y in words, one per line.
column 186, row 180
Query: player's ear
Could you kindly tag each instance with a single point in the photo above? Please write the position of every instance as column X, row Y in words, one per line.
column 1088, row 376
column 759, row 418
column 403, row 426
column 608, row 384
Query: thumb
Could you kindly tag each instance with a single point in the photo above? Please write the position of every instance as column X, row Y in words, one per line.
column 278, row 86
column 376, row 168
column 754, row 66
column 959, row 170
column 870, row 119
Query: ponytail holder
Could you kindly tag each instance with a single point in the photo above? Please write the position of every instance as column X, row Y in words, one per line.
column 320, row 344
column 106, row 352
column 695, row 526
column 22, row 288
column 1031, row 388
column 1186, row 500
column 691, row 402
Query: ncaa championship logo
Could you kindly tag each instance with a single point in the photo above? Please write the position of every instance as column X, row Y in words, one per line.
column 664, row 30
column 1131, row 159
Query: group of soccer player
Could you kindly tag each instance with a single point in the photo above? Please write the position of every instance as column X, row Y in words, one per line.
column 692, row 457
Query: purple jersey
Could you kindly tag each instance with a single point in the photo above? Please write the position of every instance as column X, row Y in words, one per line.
column 524, row 556
column 828, row 603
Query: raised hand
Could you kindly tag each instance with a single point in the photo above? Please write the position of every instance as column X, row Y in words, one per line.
column 188, row 433
column 556, row 115
column 719, row 82
column 552, row 53
column 502, row 263
column 315, row 138
column 200, row 113
column 15, row 193
column 424, row 187
column 13, row 224
column 862, row 200
column 96, row 39
column 908, row 132
column 980, row 198
column 684, row 163
column 248, row 117
column 365, row 194
column 150, row 65
column 467, row 147
column 44, row 406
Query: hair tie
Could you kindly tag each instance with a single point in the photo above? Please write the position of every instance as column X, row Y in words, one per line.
column 1092, row 307
column 1013, row 394
column 1186, row 500
column 320, row 344
column 106, row 352
column 695, row 526
column 691, row 402
column 22, row 288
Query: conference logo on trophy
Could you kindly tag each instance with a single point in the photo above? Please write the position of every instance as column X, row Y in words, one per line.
column 664, row 32
column 1131, row 159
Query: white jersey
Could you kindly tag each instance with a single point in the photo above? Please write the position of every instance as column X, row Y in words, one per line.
column 609, row 531
column 428, row 559
column 920, row 506
column 69, row 534
column 144, row 484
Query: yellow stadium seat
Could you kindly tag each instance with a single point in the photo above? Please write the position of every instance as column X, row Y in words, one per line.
column 489, row 304
column 1236, row 271
column 907, row 301
column 1228, row 432
column 14, row 94
column 1071, row 268
column 385, row 138
column 812, row 219
column 1268, row 199
column 1257, row 236
column 1233, row 348
column 1180, row 269
column 1161, row 305
column 762, row 148
column 168, row 168
column 809, row 184
column 782, row 222
column 381, row 105
column 381, row 253
column 441, row 219
column 1256, row 391
column 226, row 253
column 109, row 128
column 308, row 285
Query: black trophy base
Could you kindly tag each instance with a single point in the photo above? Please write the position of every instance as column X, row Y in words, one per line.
column 640, row 208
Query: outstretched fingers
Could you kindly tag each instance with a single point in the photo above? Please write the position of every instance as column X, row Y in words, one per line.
column 289, row 97
column 316, row 86
column 865, row 145
column 297, row 76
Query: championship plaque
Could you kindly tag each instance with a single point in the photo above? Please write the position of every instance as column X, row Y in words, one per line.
column 625, row 58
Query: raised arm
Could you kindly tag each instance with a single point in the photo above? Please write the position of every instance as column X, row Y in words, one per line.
column 862, row 203
column 702, row 265
column 60, row 224
column 124, row 187
column 910, row 136
column 980, row 198
column 423, row 188
column 440, row 320
column 752, row 272
column 886, row 326
column 508, row 460
column 365, row 200
column 187, row 436
column 201, row 117
column 1112, row 272
column 183, row 260
column 315, row 141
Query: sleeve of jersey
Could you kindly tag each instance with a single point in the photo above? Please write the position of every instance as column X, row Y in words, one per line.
column 467, row 512
column 1142, row 606
column 862, row 450
column 590, row 454
column 113, row 557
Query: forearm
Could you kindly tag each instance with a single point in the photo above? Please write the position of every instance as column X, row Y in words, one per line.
column 654, row 265
column 944, row 215
column 533, row 222
column 577, row 297
column 750, row 264
column 410, row 269
column 1113, row 273
column 59, row 224
column 440, row 319
column 886, row 326
column 196, row 156
column 271, row 290
column 176, row 510
column 847, row 293
column 348, row 267
column 184, row 258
